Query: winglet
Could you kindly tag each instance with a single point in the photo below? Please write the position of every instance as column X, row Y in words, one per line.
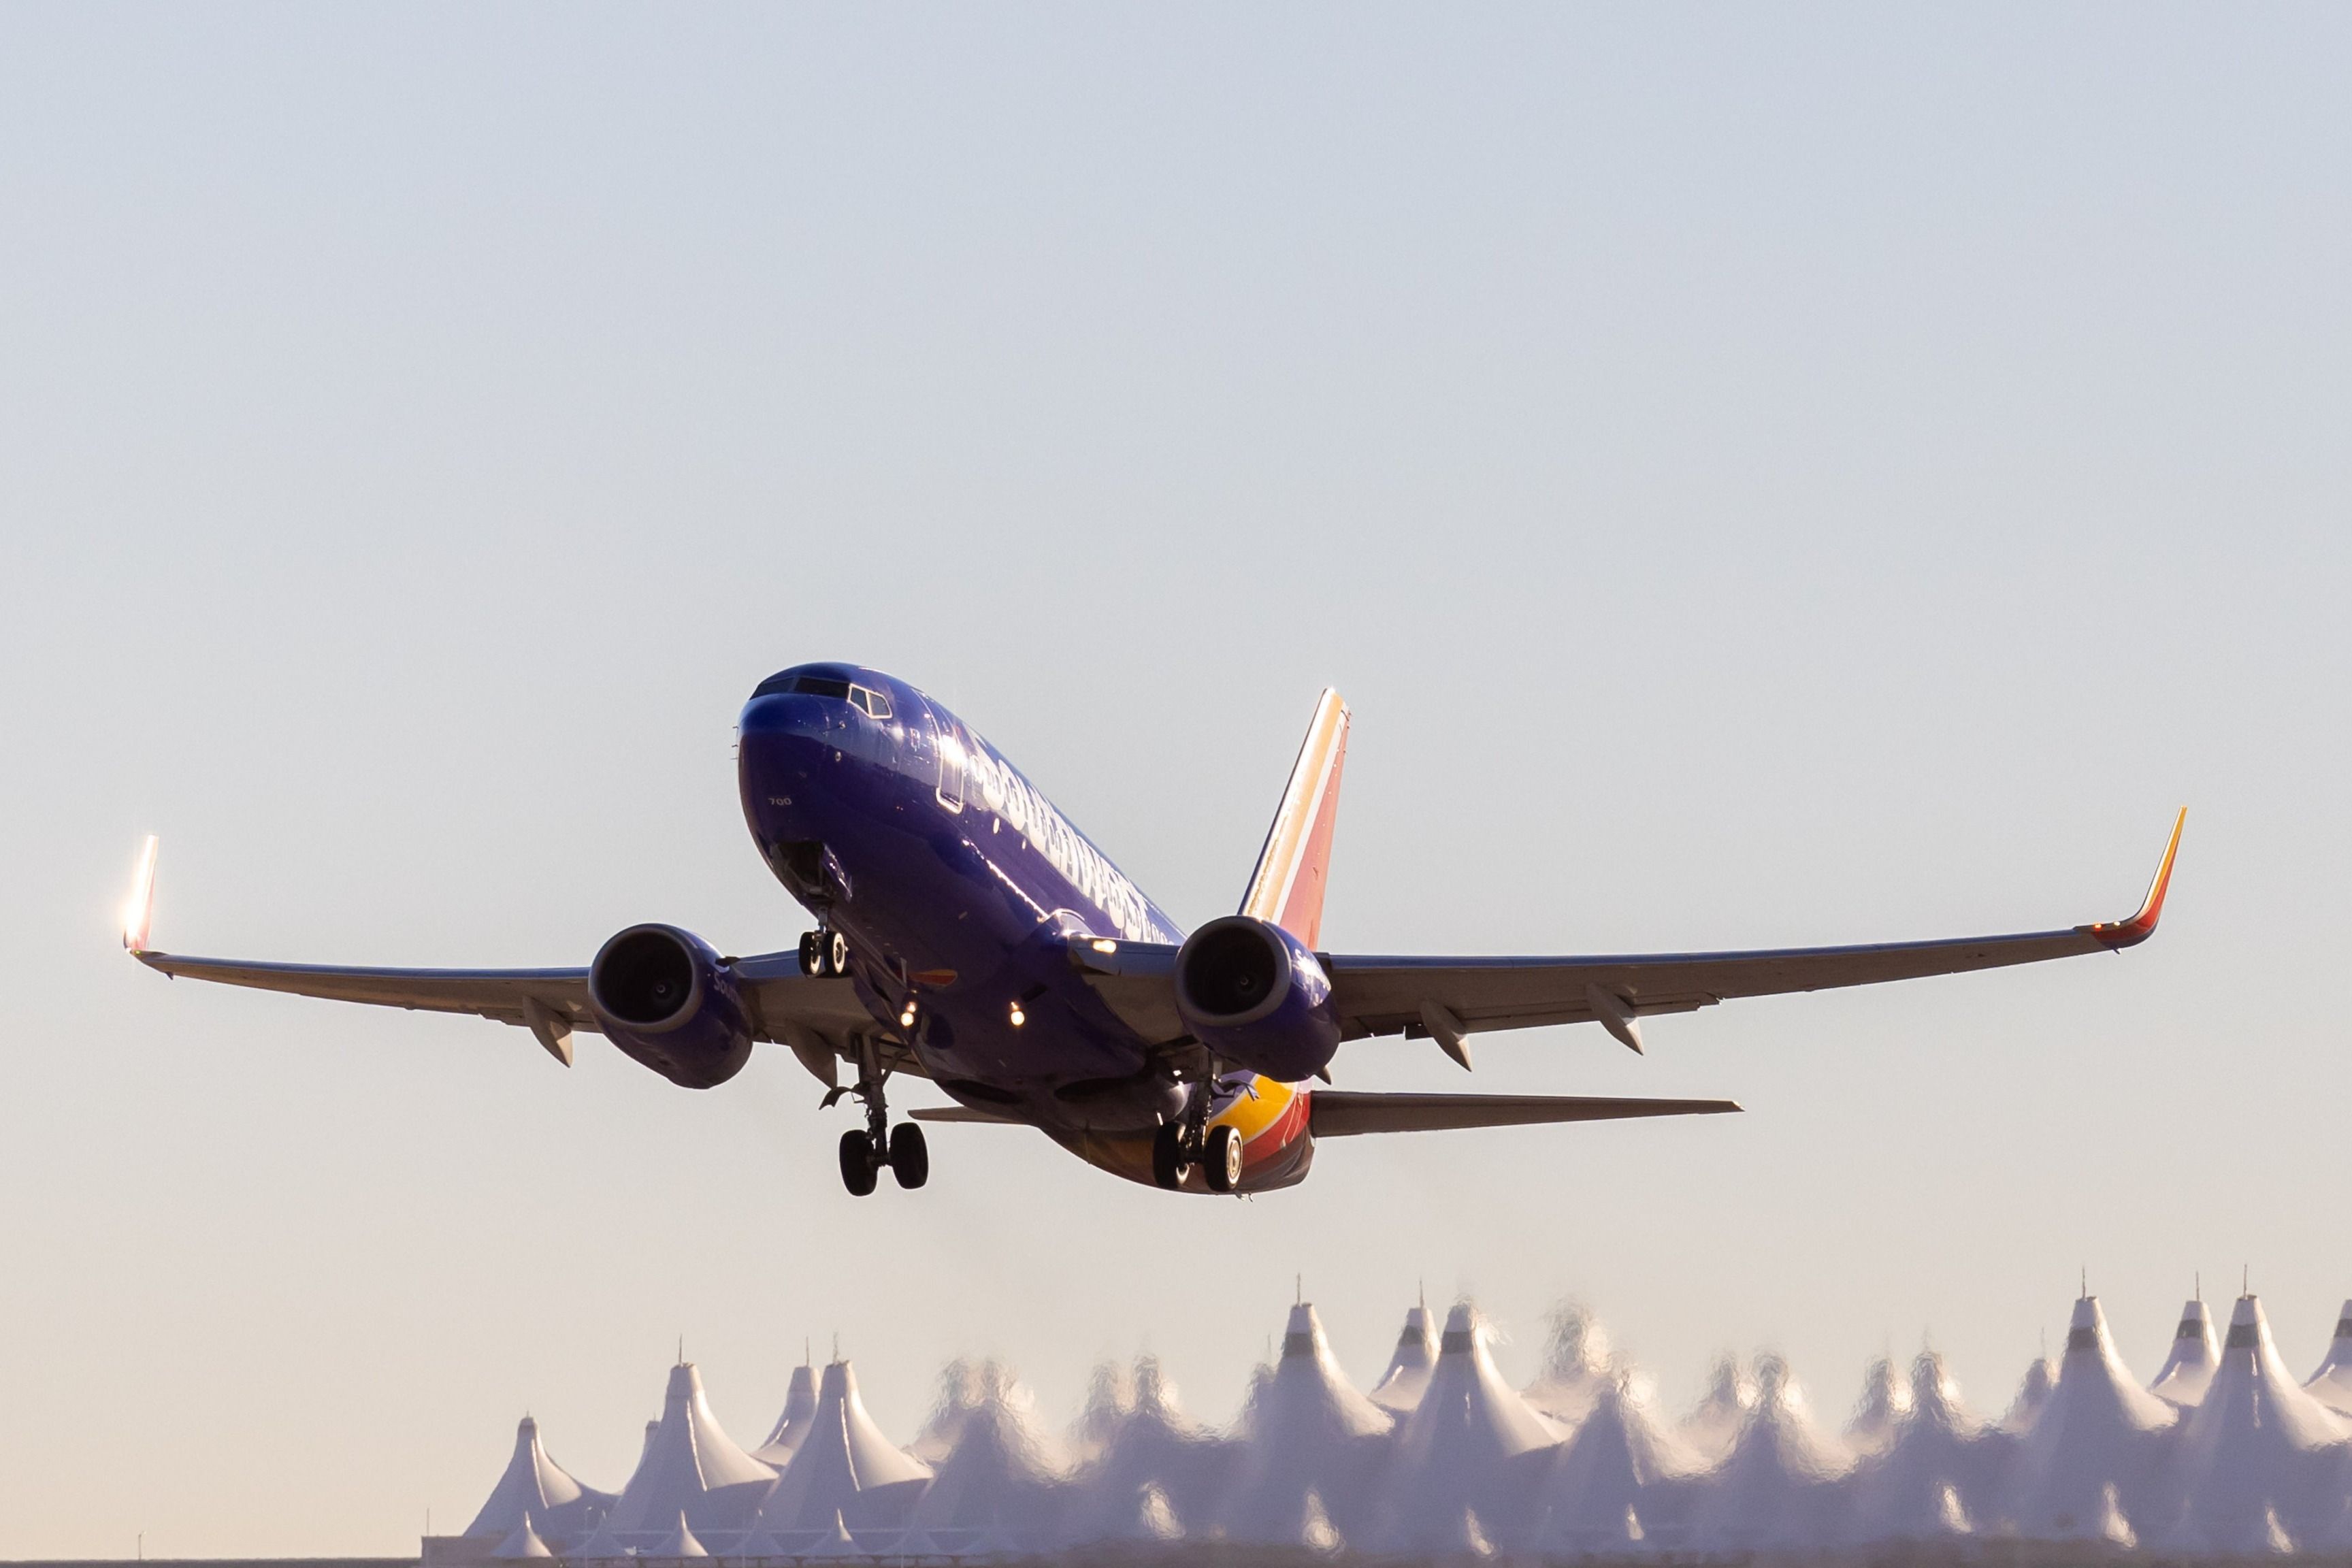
column 2142, row 925
column 139, row 909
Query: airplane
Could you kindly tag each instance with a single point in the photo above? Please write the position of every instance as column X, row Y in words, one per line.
column 966, row 933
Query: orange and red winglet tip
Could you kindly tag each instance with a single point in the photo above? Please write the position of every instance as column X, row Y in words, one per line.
column 2141, row 926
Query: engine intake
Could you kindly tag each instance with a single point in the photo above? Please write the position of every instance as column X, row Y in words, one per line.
column 1255, row 996
column 666, row 1001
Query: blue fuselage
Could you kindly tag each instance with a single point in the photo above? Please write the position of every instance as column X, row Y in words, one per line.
column 959, row 887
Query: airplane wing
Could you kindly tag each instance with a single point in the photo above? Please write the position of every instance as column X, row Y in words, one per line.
column 785, row 1005
column 1339, row 1113
column 1449, row 999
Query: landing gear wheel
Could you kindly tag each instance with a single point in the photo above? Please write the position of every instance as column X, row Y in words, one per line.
column 1168, row 1166
column 1220, row 1159
column 812, row 960
column 910, row 1156
column 858, row 1168
column 837, row 953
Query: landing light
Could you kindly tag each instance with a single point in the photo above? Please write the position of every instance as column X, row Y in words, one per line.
column 1019, row 1017
column 1101, row 946
column 907, row 1017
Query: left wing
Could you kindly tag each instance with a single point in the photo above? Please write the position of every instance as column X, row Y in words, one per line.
column 1449, row 999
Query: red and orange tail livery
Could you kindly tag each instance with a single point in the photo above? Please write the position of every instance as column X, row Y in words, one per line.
column 1294, row 867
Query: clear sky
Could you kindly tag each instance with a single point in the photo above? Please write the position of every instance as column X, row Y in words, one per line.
column 1759, row 477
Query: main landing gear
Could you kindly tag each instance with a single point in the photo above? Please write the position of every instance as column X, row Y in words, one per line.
column 865, row 1152
column 824, row 954
column 1180, row 1145
column 904, row 1151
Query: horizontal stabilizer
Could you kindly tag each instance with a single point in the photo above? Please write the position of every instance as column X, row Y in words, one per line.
column 1337, row 1113
column 963, row 1113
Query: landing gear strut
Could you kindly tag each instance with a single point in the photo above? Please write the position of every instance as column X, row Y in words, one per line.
column 865, row 1152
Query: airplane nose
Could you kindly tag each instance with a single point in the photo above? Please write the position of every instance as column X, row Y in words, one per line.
column 783, row 716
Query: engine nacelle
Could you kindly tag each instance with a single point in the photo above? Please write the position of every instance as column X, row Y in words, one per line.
column 1255, row 996
column 666, row 1001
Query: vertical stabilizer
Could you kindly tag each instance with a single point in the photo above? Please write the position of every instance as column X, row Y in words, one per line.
column 1288, row 888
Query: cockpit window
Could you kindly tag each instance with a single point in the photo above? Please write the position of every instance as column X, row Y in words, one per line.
column 807, row 685
column 873, row 701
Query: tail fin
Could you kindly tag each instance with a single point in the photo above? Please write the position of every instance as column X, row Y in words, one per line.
column 1287, row 887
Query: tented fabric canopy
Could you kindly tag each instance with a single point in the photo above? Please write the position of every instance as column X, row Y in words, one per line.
column 844, row 1466
column 537, row 1491
column 1576, row 1367
column 799, row 1404
column 1620, row 1481
column 2094, row 1443
column 2189, row 1367
column 1401, row 1386
column 1311, row 1447
column 2332, row 1383
column 1471, row 1447
column 2252, row 1459
column 1773, row 1491
column 690, row 1468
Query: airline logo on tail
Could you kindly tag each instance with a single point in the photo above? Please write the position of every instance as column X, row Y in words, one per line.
column 1294, row 866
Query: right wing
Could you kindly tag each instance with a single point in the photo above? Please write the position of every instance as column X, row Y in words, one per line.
column 1338, row 1113
column 812, row 1015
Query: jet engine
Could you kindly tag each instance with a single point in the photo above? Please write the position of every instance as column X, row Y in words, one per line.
column 1255, row 996
column 665, row 998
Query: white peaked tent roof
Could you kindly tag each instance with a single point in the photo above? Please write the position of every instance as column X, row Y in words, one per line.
column 1110, row 1400
column 1159, row 1462
column 1576, row 1365
column 1619, row 1478
column 522, row 1542
column 1936, row 1478
column 679, row 1542
column 1465, row 1448
column 2097, row 1429
column 2332, row 1383
column 2256, row 1453
column 690, row 1467
column 601, row 1546
column 845, row 1466
column 1774, row 1489
column 2033, row 1393
column 959, row 1393
column 1311, row 1445
column 1716, row 1419
column 537, row 1490
column 2195, row 1352
column 1400, row 1387
column 758, row 1542
column 1000, row 1475
column 1884, row 1402
column 799, row 1404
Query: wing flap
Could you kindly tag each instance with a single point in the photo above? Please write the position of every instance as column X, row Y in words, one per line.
column 1341, row 1113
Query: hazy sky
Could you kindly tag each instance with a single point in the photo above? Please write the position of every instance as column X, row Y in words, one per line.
column 1825, row 475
